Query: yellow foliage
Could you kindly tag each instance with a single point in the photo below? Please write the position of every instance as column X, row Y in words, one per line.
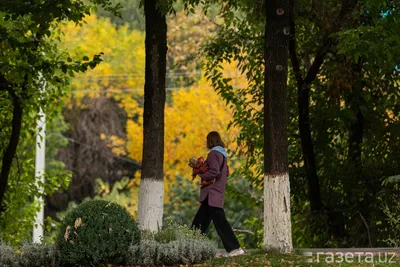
column 189, row 117
column 121, row 73
column 119, row 76
column 193, row 113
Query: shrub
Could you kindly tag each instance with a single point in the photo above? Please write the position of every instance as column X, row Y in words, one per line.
column 96, row 232
column 393, row 218
column 189, row 251
column 170, row 246
column 36, row 255
column 7, row 256
column 166, row 235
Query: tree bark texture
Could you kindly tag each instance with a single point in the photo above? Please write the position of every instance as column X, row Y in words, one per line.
column 151, row 194
column 277, row 222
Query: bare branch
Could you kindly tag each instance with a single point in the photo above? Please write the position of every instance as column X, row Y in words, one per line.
column 243, row 231
column 366, row 226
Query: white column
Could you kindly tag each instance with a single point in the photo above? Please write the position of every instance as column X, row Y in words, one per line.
column 39, row 171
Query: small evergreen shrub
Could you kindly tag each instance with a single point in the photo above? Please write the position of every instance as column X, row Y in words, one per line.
column 170, row 246
column 36, row 255
column 95, row 233
column 7, row 256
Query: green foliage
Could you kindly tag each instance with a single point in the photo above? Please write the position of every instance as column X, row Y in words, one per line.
column 34, row 75
column 244, row 47
column 17, row 222
column 349, row 192
column 96, row 232
column 393, row 217
column 130, row 12
column 256, row 225
column 172, row 245
column 119, row 193
column 165, row 235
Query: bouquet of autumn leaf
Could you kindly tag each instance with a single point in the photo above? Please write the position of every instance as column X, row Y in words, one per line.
column 200, row 166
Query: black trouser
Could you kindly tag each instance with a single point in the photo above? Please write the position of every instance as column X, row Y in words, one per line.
column 203, row 218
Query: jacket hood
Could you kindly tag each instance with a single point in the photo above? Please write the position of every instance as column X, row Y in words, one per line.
column 221, row 150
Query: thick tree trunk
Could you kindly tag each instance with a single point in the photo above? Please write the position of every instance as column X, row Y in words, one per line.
column 150, row 211
column 11, row 149
column 277, row 223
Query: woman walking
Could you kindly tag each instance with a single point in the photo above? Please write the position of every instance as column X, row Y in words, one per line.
column 212, row 196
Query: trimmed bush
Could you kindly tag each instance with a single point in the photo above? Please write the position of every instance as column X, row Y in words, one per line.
column 95, row 233
column 29, row 255
column 36, row 255
column 7, row 256
column 170, row 246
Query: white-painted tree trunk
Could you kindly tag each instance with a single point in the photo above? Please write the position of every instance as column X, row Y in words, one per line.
column 151, row 204
column 277, row 222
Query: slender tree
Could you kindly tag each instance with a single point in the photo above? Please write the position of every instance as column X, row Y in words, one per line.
column 328, row 27
column 8, row 156
column 151, row 194
column 277, row 224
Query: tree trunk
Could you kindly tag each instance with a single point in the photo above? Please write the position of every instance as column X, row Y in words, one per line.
column 303, row 103
column 357, row 124
column 307, row 146
column 277, row 223
column 150, row 211
column 11, row 149
column 359, row 183
column 303, row 84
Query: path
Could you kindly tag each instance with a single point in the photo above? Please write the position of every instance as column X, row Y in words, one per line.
column 330, row 251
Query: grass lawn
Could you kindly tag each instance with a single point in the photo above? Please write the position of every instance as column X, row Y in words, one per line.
column 279, row 260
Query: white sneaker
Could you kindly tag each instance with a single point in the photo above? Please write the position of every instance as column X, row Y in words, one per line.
column 236, row 252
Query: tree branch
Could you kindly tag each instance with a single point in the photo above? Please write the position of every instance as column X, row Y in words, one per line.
column 243, row 231
column 317, row 63
column 366, row 226
column 345, row 11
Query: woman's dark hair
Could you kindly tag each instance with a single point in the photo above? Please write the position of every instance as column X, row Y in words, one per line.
column 214, row 139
